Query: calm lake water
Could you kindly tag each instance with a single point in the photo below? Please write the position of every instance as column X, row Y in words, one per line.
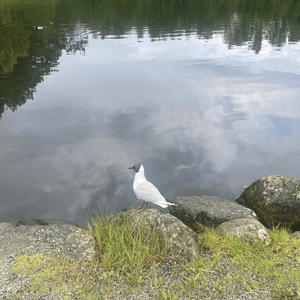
column 206, row 95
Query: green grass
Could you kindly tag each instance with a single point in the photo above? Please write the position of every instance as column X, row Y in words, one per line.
column 124, row 250
column 125, row 254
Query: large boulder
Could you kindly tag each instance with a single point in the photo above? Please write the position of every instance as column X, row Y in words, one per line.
column 62, row 240
column 180, row 238
column 31, row 246
column 244, row 229
column 30, row 221
column 208, row 211
column 275, row 199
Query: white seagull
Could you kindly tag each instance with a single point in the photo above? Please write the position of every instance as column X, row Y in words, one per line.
column 145, row 190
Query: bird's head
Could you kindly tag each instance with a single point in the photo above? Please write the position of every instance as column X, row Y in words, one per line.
column 136, row 167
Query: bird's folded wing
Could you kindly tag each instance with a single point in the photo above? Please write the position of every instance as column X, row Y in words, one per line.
column 148, row 192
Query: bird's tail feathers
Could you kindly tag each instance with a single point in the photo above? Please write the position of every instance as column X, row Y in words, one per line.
column 171, row 203
column 165, row 203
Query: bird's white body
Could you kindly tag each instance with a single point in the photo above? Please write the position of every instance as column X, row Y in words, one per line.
column 146, row 191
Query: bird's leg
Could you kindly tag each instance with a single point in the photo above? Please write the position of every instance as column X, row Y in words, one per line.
column 142, row 205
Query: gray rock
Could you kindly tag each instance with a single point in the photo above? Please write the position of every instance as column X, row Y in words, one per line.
column 244, row 229
column 276, row 200
column 58, row 240
column 29, row 221
column 240, row 201
column 64, row 240
column 295, row 235
column 208, row 211
column 182, row 240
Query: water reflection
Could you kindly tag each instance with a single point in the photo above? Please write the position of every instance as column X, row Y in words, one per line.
column 287, row 146
column 35, row 53
column 199, row 94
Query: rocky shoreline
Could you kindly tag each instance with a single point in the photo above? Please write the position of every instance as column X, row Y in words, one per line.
column 42, row 246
